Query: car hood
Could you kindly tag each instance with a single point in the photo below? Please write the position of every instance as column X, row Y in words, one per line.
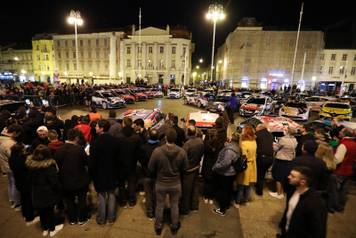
column 250, row 106
column 116, row 99
column 336, row 110
column 291, row 111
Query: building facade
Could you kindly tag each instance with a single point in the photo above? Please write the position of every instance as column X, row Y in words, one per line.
column 157, row 56
column 43, row 58
column 255, row 57
column 16, row 63
column 337, row 70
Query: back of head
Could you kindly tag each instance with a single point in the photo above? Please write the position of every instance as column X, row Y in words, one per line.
column 41, row 152
column 85, row 119
column 192, row 122
column 310, row 146
column 73, row 134
column 153, row 134
column 93, row 109
column 325, row 152
column 248, row 133
column 52, row 135
column 139, row 122
column 112, row 114
column 104, row 124
column 127, row 121
column 171, row 136
column 175, row 120
column 191, row 131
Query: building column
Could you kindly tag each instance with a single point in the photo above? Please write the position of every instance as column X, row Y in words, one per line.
column 122, row 61
column 112, row 56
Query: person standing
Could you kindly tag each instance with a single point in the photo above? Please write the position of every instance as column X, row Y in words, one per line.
column 73, row 174
column 54, row 144
column 103, row 167
column 45, row 188
column 194, row 147
column 264, row 140
column 115, row 126
column 180, row 132
column 249, row 176
column 305, row 214
column 148, row 182
column 225, row 174
column 85, row 128
column 167, row 163
column 283, row 159
column 42, row 138
column 139, row 127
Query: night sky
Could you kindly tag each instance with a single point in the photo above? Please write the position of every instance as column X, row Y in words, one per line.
column 20, row 20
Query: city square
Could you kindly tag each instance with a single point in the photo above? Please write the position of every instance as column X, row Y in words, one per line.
column 109, row 120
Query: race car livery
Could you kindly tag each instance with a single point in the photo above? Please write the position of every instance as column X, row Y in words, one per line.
column 150, row 116
column 295, row 111
column 107, row 99
column 203, row 119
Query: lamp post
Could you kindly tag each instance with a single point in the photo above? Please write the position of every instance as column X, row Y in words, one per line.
column 215, row 14
column 76, row 20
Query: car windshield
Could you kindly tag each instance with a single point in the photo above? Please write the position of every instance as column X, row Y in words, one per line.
column 296, row 104
column 256, row 101
column 337, row 105
column 174, row 90
column 107, row 94
column 252, row 121
column 316, row 99
column 191, row 90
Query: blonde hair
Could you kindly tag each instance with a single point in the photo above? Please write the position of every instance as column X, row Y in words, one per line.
column 326, row 153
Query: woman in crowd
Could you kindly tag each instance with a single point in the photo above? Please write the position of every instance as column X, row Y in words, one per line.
column 45, row 188
column 225, row 174
column 249, row 176
column 286, row 151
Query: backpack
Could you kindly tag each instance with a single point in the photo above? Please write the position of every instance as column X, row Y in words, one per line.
column 240, row 163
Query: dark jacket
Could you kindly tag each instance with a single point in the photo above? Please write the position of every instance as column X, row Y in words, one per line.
column 213, row 144
column 320, row 174
column 308, row 219
column 227, row 156
column 129, row 150
column 72, row 164
column 57, row 125
column 301, row 140
column 18, row 167
column 264, row 140
column 45, row 182
column 115, row 127
column 38, row 141
column 194, row 147
column 146, row 152
column 166, row 164
column 103, row 163
column 180, row 135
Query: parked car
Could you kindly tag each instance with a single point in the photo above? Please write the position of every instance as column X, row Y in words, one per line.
column 107, row 99
column 204, row 120
column 174, row 93
column 257, row 106
column 197, row 100
column 315, row 102
column 156, row 93
column 224, row 95
column 137, row 94
column 336, row 110
column 129, row 99
column 151, row 117
column 190, row 92
column 297, row 111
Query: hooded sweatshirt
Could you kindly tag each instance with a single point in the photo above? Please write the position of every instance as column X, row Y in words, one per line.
column 167, row 163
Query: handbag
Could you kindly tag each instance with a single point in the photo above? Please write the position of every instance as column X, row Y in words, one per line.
column 240, row 164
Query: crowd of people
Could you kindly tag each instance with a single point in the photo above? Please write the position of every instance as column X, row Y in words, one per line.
column 53, row 166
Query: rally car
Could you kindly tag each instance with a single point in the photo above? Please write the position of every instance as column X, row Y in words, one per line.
column 197, row 99
column 315, row 102
column 190, row 92
column 156, row 93
column 297, row 111
column 204, row 120
column 257, row 106
column 151, row 117
column 174, row 93
column 336, row 110
column 129, row 99
column 275, row 125
column 137, row 94
column 224, row 95
column 107, row 99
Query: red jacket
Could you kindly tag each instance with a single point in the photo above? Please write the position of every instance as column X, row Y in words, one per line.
column 345, row 168
column 85, row 129
column 54, row 145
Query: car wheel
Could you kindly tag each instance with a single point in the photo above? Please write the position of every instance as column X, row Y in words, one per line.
column 105, row 105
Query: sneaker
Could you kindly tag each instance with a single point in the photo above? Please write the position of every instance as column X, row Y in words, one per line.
column 174, row 230
column 211, row 202
column 72, row 223
column 45, row 233
column 56, row 230
column 206, row 201
column 34, row 221
column 276, row 195
column 218, row 212
column 83, row 223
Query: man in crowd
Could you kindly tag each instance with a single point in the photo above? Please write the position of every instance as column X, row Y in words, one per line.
column 305, row 214
column 85, row 128
column 148, row 182
column 264, row 159
column 103, row 167
column 72, row 163
column 139, row 127
column 42, row 137
column 54, row 143
column 129, row 148
column 166, row 165
column 115, row 126
column 194, row 148
column 305, row 135
column 180, row 132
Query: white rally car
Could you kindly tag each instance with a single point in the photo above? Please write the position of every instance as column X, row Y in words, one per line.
column 204, row 120
column 151, row 117
column 174, row 93
column 298, row 111
column 107, row 99
column 197, row 99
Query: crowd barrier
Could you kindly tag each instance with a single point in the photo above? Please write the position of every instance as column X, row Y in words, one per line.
column 55, row 101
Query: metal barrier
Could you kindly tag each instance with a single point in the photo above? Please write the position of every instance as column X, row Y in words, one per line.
column 52, row 100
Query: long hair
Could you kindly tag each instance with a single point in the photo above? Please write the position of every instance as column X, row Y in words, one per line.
column 248, row 133
column 325, row 152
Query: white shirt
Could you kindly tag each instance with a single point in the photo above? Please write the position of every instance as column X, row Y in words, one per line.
column 340, row 153
column 293, row 201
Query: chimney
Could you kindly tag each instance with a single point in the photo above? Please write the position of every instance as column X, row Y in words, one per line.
column 133, row 30
column 167, row 29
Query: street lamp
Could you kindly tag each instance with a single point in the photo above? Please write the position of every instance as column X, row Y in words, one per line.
column 215, row 14
column 197, row 67
column 76, row 20
column 201, row 60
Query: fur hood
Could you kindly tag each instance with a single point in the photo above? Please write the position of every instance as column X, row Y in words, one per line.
column 42, row 164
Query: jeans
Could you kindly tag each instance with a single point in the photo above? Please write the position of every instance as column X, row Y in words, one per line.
column 243, row 193
column 342, row 186
column 76, row 204
column 148, row 186
column 14, row 195
column 263, row 164
column 190, row 192
column 174, row 193
column 106, row 207
column 128, row 194
column 224, row 191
